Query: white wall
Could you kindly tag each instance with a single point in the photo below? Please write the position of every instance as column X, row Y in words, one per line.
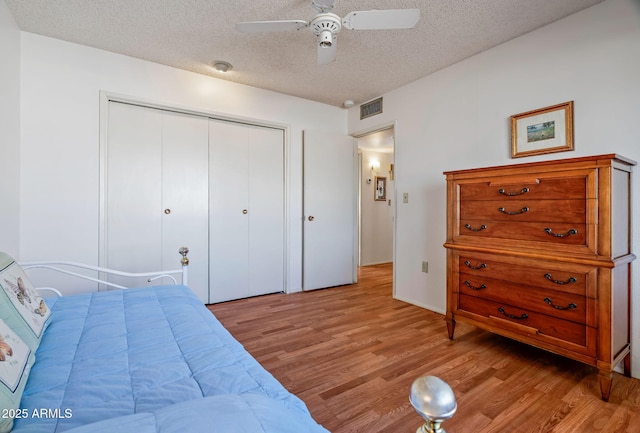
column 376, row 217
column 60, row 89
column 459, row 118
column 9, row 133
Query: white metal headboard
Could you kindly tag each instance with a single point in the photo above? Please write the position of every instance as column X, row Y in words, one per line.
column 67, row 267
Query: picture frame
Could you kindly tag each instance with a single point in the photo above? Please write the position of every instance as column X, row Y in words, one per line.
column 380, row 191
column 545, row 130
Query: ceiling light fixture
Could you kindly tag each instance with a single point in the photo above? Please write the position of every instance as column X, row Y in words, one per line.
column 222, row 66
column 348, row 103
column 325, row 39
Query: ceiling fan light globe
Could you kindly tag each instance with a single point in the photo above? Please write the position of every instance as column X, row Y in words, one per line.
column 325, row 38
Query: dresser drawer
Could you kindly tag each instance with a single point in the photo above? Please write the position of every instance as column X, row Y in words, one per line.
column 531, row 323
column 532, row 187
column 567, row 306
column 570, row 211
column 560, row 277
column 555, row 233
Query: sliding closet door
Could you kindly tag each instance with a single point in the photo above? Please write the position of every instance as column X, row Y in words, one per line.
column 133, row 191
column 156, row 192
column 185, row 196
column 246, row 210
column 228, row 211
column 266, row 199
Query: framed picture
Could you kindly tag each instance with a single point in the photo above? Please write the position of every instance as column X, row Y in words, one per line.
column 380, row 193
column 546, row 130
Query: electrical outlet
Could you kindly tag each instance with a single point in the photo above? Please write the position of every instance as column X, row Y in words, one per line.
column 425, row 267
column 405, row 197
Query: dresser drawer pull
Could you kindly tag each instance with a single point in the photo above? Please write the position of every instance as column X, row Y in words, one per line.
column 517, row 212
column 512, row 193
column 468, row 227
column 468, row 284
column 480, row 266
column 511, row 316
column 561, row 235
column 569, row 281
column 571, row 306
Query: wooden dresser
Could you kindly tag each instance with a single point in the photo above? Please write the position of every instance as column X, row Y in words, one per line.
column 540, row 252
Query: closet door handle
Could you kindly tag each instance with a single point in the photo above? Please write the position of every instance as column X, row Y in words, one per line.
column 167, row 211
column 311, row 218
column 244, row 211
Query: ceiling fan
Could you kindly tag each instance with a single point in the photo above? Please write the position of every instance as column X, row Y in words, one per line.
column 326, row 25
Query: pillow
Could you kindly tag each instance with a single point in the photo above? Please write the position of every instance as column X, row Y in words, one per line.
column 21, row 307
column 16, row 359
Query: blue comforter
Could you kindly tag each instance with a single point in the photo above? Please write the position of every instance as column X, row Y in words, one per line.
column 150, row 360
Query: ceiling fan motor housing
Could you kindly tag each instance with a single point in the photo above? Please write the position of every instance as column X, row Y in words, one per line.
column 326, row 23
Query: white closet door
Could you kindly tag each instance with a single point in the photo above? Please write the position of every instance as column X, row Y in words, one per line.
column 246, row 210
column 156, row 193
column 266, row 217
column 185, row 197
column 228, row 211
column 133, row 190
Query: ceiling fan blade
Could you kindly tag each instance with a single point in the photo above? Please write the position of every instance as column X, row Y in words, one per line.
column 382, row 19
column 327, row 55
column 271, row 26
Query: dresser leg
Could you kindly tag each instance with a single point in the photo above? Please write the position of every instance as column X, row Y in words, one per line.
column 451, row 326
column 606, row 378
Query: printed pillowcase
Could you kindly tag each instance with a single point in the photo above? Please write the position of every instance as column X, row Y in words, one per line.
column 23, row 317
column 21, row 307
column 16, row 359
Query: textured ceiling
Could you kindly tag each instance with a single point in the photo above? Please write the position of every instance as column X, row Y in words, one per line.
column 190, row 34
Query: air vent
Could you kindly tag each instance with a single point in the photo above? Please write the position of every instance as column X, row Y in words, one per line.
column 371, row 108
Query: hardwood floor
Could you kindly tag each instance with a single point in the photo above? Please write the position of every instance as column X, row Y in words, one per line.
column 352, row 352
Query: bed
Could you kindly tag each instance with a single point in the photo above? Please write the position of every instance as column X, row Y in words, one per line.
column 151, row 359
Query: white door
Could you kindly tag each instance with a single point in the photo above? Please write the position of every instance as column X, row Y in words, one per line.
column 156, row 196
column 266, row 207
column 228, row 213
column 185, row 197
column 329, row 227
column 246, row 210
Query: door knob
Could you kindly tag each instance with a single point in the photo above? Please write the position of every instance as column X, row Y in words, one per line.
column 244, row 211
column 311, row 218
column 167, row 211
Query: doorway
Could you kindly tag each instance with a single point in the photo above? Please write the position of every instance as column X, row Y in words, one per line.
column 377, row 197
